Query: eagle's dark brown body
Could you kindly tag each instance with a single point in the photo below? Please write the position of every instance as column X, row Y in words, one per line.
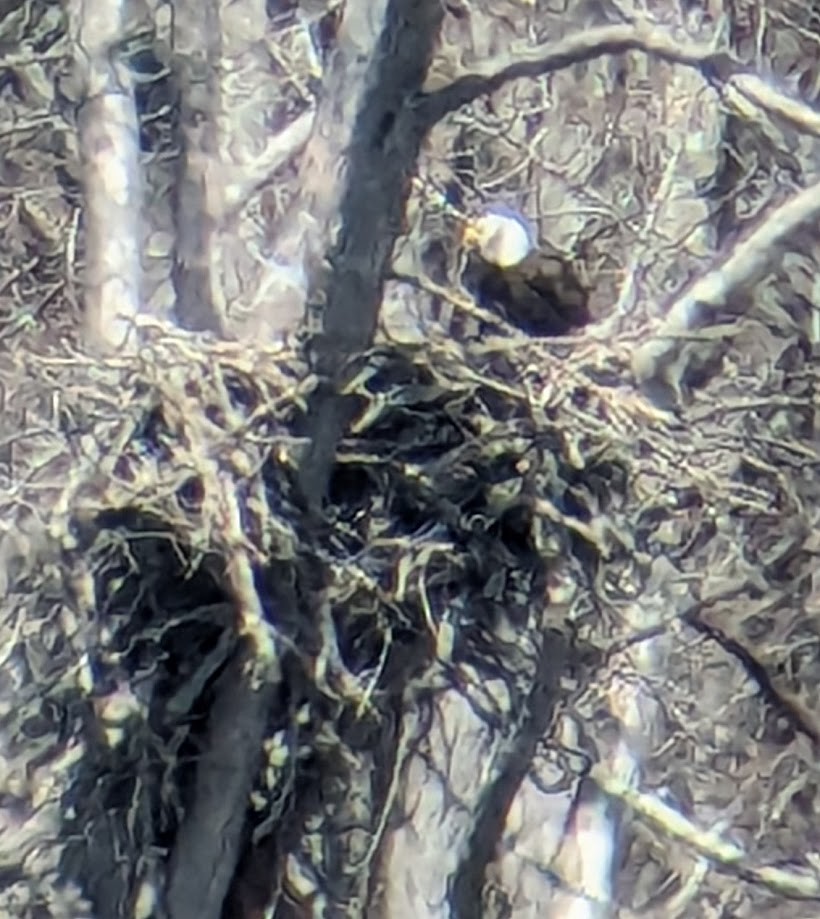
column 541, row 294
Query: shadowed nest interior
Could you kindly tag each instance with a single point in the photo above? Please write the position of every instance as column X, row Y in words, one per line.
column 159, row 555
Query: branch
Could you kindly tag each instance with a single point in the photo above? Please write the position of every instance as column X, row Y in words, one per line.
column 738, row 85
column 750, row 260
column 382, row 157
column 716, row 66
column 209, row 842
column 745, row 88
column 243, row 180
column 198, row 199
column 798, row 882
column 108, row 134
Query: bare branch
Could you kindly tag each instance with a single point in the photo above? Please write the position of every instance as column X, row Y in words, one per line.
column 747, row 262
column 739, row 86
column 108, row 134
column 208, row 844
column 798, row 883
column 241, row 181
column 536, row 61
column 382, row 157
column 748, row 88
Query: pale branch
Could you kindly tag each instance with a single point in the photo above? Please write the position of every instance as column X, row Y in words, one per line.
column 748, row 89
column 747, row 262
column 108, row 136
column 797, row 882
column 242, row 181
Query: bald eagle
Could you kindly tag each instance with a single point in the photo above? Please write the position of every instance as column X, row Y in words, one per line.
column 532, row 288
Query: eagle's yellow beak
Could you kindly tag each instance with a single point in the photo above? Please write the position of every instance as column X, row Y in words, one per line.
column 471, row 237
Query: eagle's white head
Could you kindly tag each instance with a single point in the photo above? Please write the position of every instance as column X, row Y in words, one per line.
column 501, row 236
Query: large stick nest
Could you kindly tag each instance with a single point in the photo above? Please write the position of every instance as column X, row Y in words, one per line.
column 156, row 553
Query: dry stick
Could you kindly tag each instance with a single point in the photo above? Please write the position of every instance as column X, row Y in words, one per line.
column 382, row 157
column 243, row 181
column 750, row 259
column 750, row 88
